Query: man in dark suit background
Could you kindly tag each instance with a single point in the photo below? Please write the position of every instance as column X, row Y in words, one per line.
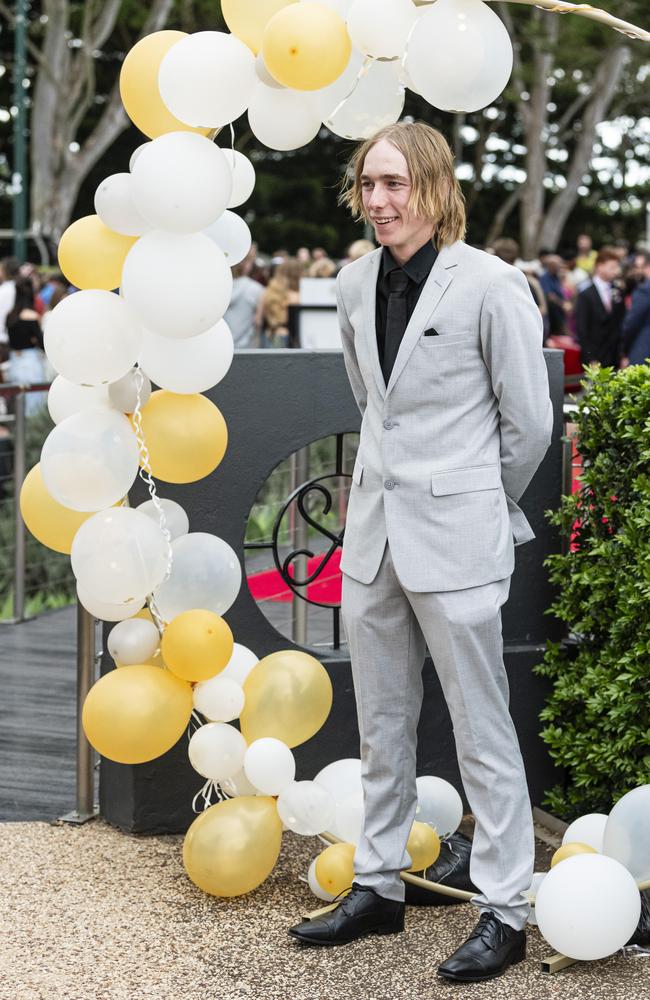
column 600, row 309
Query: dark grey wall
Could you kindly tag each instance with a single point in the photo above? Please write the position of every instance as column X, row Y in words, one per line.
column 275, row 402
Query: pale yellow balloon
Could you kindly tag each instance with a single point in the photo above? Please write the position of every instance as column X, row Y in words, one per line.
column 146, row 614
column 49, row 521
column 186, row 436
column 197, row 645
column 91, row 255
column 423, row 846
column 306, row 46
column 136, row 713
column 247, row 19
column 570, row 850
column 334, row 868
column 233, row 846
column 139, row 86
column 288, row 695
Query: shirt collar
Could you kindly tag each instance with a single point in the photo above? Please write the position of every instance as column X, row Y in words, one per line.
column 416, row 267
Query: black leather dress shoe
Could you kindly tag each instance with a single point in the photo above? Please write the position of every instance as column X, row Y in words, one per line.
column 363, row 911
column 451, row 868
column 489, row 950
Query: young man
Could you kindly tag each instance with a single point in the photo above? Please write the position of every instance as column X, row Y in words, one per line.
column 600, row 310
column 443, row 349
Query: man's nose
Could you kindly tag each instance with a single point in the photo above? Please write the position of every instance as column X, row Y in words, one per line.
column 377, row 198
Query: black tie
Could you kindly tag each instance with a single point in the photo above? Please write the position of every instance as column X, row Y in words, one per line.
column 396, row 318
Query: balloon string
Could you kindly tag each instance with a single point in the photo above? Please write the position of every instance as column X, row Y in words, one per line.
column 232, row 143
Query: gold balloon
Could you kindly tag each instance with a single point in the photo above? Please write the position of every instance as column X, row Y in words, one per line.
column 247, row 19
column 49, row 521
column 306, row 46
column 288, row 695
column 139, row 86
column 233, row 846
column 146, row 614
column 186, row 436
column 136, row 713
column 197, row 644
column 423, row 846
column 91, row 255
column 335, row 868
column 570, row 850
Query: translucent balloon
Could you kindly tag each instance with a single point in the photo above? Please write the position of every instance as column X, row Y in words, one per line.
column 188, row 366
column 314, row 884
column 282, row 119
column 217, row 751
column 306, row 808
column 219, row 699
column 197, row 644
column 334, row 868
column 439, row 804
column 248, row 18
column 116, row 208
column 233, row 846
column 243, row 177
column 237, row 785
column 325, row 101
column 531, row 893
column 626, row 835
column 178, row 286
column 379, row 28
column 264, row 76
column 207, row 78
column 205, row 574
column 587, row 829
column 176, row 520
column 119, row 554
column 181, row 182
column 66, row 398
column 288, row 696
column 306, row 46
column 269, row 765
column 123, row 394
column 342, row 778
column 51, row 523
column 376, row 101
column 93, row 337
column 588, row 907
column 240, row 664
column 91, row 255
column 134, row 641
column 454, row 33
column 186, row 436
column 107, row 612
column 349, row 818
column 89, row 460
column 232, row 236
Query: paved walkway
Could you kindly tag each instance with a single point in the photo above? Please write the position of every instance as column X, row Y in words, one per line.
column 93, row 914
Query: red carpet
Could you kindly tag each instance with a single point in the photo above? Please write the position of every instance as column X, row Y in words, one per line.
column 326, row 588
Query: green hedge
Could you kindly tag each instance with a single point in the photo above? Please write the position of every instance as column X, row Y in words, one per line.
column 598, row 715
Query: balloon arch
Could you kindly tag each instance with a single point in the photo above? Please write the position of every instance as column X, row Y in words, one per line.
column 165, row 236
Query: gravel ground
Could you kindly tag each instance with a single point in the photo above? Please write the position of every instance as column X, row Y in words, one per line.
column 89, row 913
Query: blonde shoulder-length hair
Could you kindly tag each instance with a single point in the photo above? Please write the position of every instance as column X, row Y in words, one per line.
column 435, row 191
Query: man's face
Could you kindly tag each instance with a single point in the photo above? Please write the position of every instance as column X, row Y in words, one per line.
column 386, row 189
column 608, row 270
column 584, row 244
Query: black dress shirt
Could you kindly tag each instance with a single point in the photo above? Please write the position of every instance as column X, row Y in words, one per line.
column 417, row 269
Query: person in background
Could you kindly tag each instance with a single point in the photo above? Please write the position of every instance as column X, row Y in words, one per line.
column 585, row 253
column 552, row 288
column 318, row 253
column 636, row 326
column 357, row 250
column 304, row 256
column 9, row 271
column 241, row 313
column 323, row 268
column 508, row 250
column 599, row 312
column 26, row 344
column 282, row 291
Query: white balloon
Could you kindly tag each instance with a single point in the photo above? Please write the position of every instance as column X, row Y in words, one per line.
column 282, row 119
column 66, row 398
column 106, row 611
column 587, row 829
column 207, row 78
column 191, row 365
column 340, row 6
column 243, row 177
column 238, row 785
column 123, row 394
column 531, row 894
column 376, row 101
column 588, row 907
column 93, row 337
column 459, row 33
column 217, row 751
column 262, row 73
column 326, row 101
column 240, row 663
column 116, row 208
column 232, row 236
column 119, row 554
column 269, row 765
column 135, row 154
column 219, row 699
column 134, row 641
column 205, row 574
column 315, row 885
column 439, row 804
column 176, row 520
column 627, row 832
column 342, row 778
column 178, row 286
column 380, row 28
column 181, row 182
column 306, row 808
column 90, row 460
column 349, row 818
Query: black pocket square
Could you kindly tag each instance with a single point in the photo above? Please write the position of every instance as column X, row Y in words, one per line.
column 431, row 333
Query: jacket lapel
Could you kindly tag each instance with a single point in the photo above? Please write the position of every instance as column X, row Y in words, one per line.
column 369, row 317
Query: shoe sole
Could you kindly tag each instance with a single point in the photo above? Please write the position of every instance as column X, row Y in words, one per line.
column 480, row 979
column 333, row 944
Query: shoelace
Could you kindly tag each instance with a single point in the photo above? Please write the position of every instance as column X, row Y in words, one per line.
column 348, row 893
column 485, row 929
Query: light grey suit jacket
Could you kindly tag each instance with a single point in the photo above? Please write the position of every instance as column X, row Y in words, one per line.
column 450, row 445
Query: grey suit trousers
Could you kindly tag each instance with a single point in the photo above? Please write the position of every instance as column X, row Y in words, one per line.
column 388, row 629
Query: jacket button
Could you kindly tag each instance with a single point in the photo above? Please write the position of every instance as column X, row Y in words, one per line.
column 388, row 424
column 389, row 484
